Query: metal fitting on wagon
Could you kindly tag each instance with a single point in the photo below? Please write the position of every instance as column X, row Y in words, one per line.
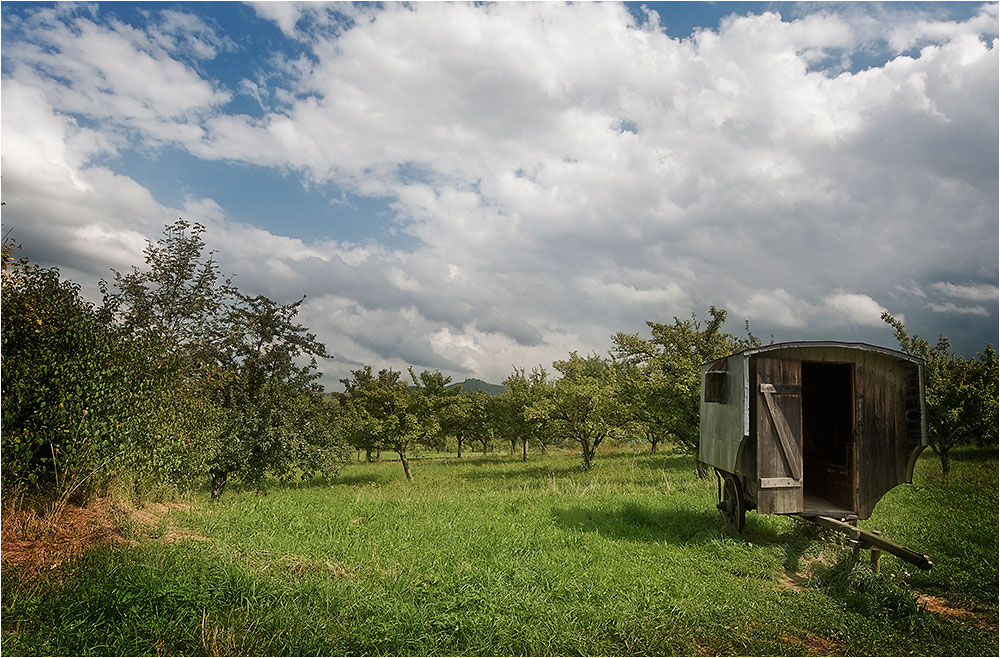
column 820, row 429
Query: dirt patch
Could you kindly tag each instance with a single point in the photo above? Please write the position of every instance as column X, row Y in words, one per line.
column 797, row 581
column 815, row 645
column 793, row 581
column 941, row 606
column 983, row 618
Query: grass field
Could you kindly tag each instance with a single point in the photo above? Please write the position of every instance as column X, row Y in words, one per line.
column 491, row 556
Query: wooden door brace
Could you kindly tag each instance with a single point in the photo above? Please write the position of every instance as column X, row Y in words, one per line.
column 785, row 441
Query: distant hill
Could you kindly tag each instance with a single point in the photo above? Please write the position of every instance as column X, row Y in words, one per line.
column 473, row 385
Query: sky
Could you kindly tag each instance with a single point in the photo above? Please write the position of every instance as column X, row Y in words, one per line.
column 473, row 187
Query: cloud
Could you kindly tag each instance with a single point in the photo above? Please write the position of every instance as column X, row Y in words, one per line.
column 563, row 171
column 930, row 31
column 82, row 217
column 974, row 293
column 283, row 14
column 774, row 308
column 116, row 73
column 857, row 308
column 949, row 307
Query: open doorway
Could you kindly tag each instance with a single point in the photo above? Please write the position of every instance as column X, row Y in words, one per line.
column 828, row 435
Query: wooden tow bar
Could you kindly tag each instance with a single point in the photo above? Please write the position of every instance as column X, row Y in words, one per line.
column 872, row 541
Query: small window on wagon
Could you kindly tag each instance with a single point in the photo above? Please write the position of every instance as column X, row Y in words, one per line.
column 715, row 386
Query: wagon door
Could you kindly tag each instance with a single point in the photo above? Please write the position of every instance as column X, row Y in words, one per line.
column 778, row 393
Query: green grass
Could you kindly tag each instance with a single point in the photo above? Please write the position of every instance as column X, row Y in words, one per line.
column 493, row 556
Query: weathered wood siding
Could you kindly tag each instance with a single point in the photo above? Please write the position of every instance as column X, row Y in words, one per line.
column 885, row 439
column 889, row 426
column 778, row 425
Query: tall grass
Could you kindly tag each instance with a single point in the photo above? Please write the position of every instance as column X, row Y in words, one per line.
column 487, row 555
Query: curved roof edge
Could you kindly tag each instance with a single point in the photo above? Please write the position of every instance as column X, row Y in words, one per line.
column 864, row 347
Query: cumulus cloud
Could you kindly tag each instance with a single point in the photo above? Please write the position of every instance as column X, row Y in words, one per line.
column 857, row 308
column 115, row 73
column 565, row 172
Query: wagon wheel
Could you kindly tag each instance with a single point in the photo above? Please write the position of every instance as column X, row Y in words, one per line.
column 732, row 506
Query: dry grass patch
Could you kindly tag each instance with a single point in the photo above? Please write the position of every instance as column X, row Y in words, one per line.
column 40, row 541
column 152, row 520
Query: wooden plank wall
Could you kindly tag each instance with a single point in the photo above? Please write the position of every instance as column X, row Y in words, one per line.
column 887, row 438
column 779, row 431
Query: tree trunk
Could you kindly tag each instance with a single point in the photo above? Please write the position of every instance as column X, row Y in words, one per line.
column 524, row 449
column 945, row 462
column 588, row 454
column 378, row 455
column 513, row 447
column 458, row 437
column 359, row 454
column 368, row 455
column 219, row 480
column 544, row 451
column 406, row 466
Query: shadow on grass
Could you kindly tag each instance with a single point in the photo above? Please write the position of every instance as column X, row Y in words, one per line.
column 346, row 477
column 971, row 454
column 540, row 467
column 764, row 530
column 636, row 522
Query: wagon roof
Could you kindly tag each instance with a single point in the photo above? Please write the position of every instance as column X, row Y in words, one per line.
column 861, row 347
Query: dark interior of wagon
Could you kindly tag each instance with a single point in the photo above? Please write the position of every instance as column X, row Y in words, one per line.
column 828, row 436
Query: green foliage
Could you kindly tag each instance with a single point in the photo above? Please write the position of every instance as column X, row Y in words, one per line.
column 587, row 403
column 434, row 397
column 663, row 374
column 176, row 307
column 379, row 411
column 265, row 396
column 177, row 376
column 77, row 403
column 456, row 420
column 483, row 418
column 247, row 366
column 526, row 406
column 960, row 392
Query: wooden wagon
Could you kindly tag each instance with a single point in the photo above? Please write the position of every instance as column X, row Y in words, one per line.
column 818, row 429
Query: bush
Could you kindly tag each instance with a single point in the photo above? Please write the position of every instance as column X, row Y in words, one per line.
column 74, row 400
